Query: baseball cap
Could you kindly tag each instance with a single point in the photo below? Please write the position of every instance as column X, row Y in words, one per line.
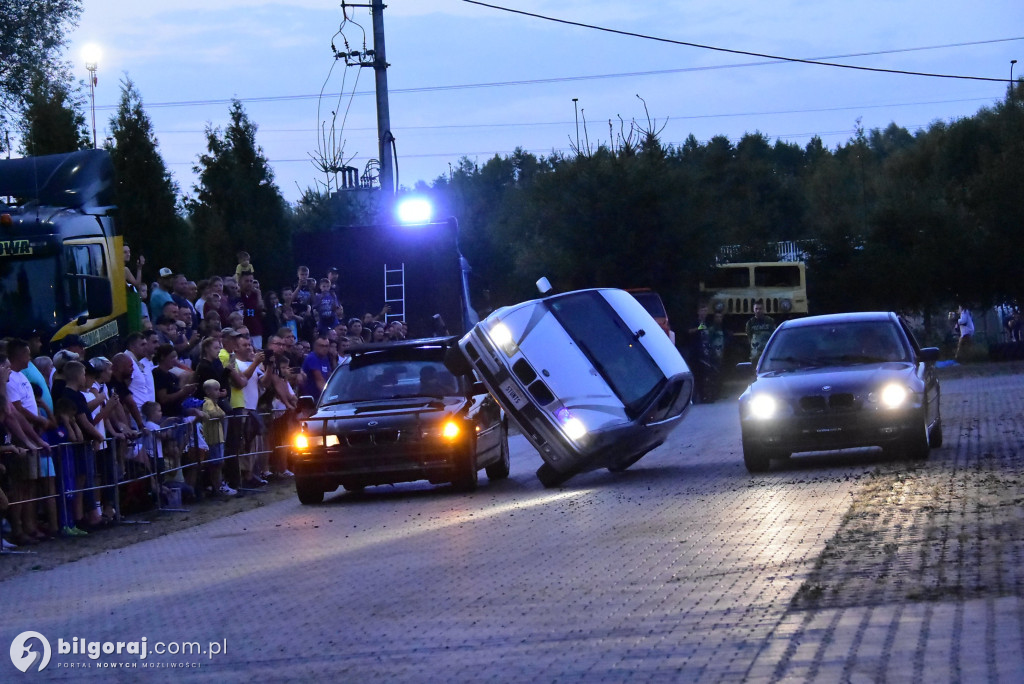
column 166, row 272
column 333, row 269
column 230, row 332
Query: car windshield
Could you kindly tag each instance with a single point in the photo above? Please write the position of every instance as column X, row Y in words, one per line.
column 611, row 347
column 383, row 376
column 852, row 343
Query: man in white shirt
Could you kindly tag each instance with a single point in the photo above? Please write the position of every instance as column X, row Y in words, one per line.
column 140, row 348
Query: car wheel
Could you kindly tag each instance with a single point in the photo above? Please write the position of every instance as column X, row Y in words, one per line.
column 466, row 477
column 500, row 470
column 935, row 435
column 755, row 458
column 917, row 443
column 455, row 362
column 310, row 492
column 549, row 477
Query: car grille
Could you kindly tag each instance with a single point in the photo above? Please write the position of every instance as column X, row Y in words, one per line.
column 819, row 403
column 372, row 438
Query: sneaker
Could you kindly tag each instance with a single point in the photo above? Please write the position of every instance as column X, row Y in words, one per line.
column 286, row 473
column 225, row 490
column 255, row 482
column 8, row 546
column 266, row 475
column 73, row 532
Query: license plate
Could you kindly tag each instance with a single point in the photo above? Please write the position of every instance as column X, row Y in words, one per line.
column 512, row 393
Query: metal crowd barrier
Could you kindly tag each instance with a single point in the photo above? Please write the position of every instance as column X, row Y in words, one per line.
column 161, row 460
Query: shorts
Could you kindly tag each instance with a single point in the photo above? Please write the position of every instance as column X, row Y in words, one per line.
column 21, row 467
column 46, row 466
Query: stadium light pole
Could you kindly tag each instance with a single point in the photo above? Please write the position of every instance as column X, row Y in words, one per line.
column 91, row 53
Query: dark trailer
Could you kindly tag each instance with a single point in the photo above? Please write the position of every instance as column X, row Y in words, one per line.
column 417, row 270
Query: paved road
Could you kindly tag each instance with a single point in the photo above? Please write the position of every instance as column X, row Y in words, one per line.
column 683, row 568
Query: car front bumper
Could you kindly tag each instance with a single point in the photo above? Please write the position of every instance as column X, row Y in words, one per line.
column 863, row 428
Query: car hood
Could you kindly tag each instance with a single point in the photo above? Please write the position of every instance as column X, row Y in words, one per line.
column 845, row 379
column 393, row 410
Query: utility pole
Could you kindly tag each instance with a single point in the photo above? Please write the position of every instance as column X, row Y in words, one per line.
column 380, row 71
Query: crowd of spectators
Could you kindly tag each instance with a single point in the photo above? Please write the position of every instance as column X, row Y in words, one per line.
column 195, row 403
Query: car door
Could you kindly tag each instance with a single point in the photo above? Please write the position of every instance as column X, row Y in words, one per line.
column 486, row 414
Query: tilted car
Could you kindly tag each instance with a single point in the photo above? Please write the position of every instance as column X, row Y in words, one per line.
column 588, row 375
column 393, row 412
column 841, row 381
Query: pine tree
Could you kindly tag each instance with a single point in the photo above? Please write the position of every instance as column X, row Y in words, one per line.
column 146, row 191
column 53, row 121
column 237, row 205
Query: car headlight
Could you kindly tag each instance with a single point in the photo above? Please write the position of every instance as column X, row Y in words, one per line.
column 450, row 430
column 573, row 427
column 894, row 396
column 301, row 441
column 304, row 441
column 502, row 337
column 763, row 406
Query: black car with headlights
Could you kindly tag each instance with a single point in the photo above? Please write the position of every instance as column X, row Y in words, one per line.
column 393, row 412
column 841, row 381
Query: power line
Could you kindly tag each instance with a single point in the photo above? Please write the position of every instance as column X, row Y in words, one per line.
column 748, row 53
column 585, row 77
column 673, row 117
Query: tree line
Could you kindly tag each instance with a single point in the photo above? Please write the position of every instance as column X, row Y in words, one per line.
column 889, row 219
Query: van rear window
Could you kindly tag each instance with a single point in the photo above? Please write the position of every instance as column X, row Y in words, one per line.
column 611, row 348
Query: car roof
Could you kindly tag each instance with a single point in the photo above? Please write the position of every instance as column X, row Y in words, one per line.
column 442, row 342
column 832, row 319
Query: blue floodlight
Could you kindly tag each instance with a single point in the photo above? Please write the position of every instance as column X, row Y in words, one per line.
column 415, row 210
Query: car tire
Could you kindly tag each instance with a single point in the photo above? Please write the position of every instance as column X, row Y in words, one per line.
column 916, row 445
column 466, row 477
column 935, row 435
column 501, row 469
column 755, row 458
column 549, row 477
column 455, row 362
column 310, row 492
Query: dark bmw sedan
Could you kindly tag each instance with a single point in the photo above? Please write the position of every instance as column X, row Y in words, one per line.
column 841, row 381
column 392, row 413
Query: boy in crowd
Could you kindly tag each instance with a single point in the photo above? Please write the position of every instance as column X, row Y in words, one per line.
column 213, row 433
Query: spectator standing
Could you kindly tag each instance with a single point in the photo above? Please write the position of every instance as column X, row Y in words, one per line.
column 759, row 329
column 700, row 354
column 246, row 384
column 161, row 294
column 213, row 433
column 140, row 347
column 303, row 294
column 325, row 307
column 253, row 309
column 133, row 282
column 317, row 367
column 965, row 330
column 180, row 290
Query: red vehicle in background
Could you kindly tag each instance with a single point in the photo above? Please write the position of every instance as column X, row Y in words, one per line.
column 651, row 301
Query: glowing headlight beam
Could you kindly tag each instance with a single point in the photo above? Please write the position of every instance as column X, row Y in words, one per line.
column 450, row 430
column 501, row 336
column 894, row 396
column 763, row 407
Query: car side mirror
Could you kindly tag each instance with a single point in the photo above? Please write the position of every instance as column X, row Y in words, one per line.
column 745, row 369
column 929, row 354
column 307, row 405
column 478, row 388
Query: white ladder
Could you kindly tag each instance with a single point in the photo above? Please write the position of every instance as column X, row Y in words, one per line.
column 394, row 292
